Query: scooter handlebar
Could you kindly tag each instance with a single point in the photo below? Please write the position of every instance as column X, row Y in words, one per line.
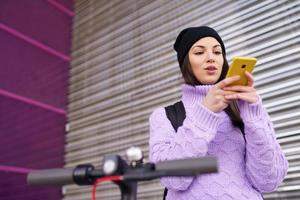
column 86, row 174
column 187, row 167
column 51, row 177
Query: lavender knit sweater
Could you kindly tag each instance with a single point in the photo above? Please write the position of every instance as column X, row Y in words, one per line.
column 245, row 170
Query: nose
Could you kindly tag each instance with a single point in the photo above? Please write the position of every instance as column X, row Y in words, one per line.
column 210, row 57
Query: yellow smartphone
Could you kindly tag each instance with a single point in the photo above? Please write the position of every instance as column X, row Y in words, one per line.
column 238, row 67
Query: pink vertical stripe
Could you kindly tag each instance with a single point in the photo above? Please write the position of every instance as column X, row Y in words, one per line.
column 34, row 42
column 61, row 8
column 32, row 102
column 19, row 170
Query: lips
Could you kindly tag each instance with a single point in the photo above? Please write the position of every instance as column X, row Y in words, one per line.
column 210, row 68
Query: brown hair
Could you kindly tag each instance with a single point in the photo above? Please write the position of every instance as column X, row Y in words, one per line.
column 189, row 78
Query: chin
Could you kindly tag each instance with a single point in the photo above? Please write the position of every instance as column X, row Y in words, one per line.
column 209, row 81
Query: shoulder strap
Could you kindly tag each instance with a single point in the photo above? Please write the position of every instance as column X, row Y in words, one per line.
column 165, row 194
column 176, row 114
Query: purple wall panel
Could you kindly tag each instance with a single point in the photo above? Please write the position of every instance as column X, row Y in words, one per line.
column 36, row 74
column 35, row 38
column 30, row 17
column 30, row 130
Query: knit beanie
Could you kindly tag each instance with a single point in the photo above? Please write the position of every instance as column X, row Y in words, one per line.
column 189, row 36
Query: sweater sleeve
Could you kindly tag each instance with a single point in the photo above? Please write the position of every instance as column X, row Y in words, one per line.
column 266, row 164
column 190, row 140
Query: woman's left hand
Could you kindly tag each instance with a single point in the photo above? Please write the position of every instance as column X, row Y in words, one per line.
column 245, row 93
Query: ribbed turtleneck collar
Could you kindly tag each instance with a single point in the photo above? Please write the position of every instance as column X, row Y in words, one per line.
column 194, row 94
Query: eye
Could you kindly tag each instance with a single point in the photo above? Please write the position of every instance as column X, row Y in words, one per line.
column 199, row 53
column 218, row 52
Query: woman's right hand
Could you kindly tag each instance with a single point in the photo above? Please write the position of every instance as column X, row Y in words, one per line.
column 215, row 99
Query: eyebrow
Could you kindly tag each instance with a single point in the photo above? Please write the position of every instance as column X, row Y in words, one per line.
column 217, row 45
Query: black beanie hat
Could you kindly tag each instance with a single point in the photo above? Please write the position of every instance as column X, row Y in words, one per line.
column 189, row 36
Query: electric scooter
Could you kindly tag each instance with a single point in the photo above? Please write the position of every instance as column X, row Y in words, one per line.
column 124, row 174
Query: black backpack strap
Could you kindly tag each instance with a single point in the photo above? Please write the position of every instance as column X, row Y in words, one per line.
column 176, row 114
column 165, row 194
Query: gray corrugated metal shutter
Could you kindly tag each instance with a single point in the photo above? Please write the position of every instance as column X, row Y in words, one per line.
column 124, row 66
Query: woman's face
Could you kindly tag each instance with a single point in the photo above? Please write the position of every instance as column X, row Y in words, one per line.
column 206, row 59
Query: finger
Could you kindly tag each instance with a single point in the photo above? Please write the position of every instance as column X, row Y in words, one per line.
column 248, row 97
column 221, row 96
column 224, row 104
column 227, row 81
column 231, row 97
column 224, row 92
column 227, row 101
column 250, row 78
column 239, row 88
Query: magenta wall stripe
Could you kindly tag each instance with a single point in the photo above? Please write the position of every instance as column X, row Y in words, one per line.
column 32, row 102
column 34, row 42
column 19, row 170
column 61, row 8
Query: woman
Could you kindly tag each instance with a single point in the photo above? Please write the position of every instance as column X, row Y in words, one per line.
column 249, row 157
